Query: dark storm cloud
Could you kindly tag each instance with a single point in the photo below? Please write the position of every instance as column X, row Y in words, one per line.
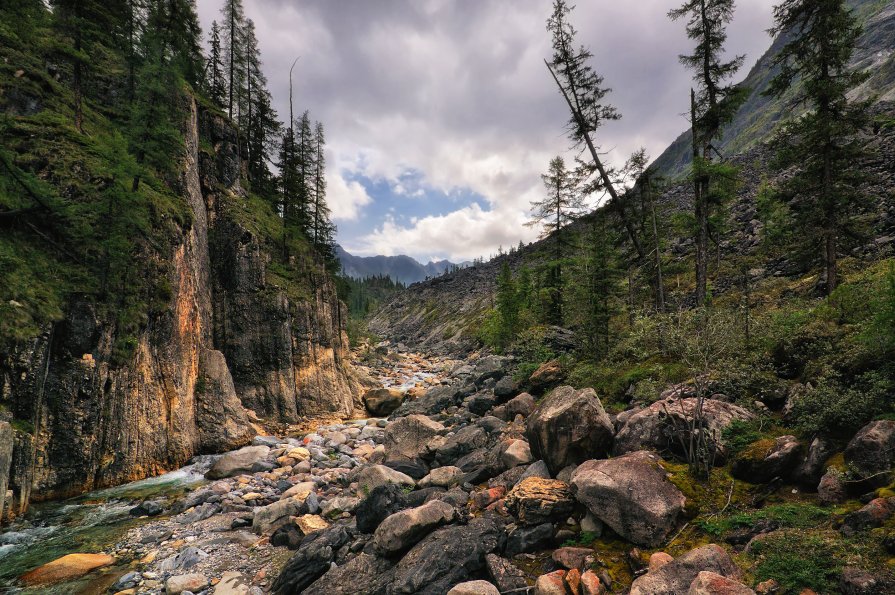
column 457, row 91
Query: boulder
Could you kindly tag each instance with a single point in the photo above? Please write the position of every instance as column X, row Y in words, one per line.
column 506, row 576
column 631, row 494
column 711, row 583
column 312, row 559
column 527, row 538
column 872, row 452
column 380, row 503
column 767, row 459
column 552, row 583
column 407, row 437
column 380, row 402
column 233, row 583
column 547, row 375
column 572, row 557
column 567, row 427
column 831, row 489
column 435, row 399
column 270, row 517
column 403, row 529
column 505, row 388
column 309, row 523
column 522, row 405
column 474, row 588
column 517, row 453
column 481, row 403
column 446, row 557
column 873, row 514
column 591, row 584
column 237, row 462
column 676, row 577
column 370, row 477
column 460, row 444
column 490, row 367
column 857, row 581
column 182, row 583
column 442, row 477
column 534, row 500
column 66, row 568
column 362, row 575
column 811, row 467
column 653, row 428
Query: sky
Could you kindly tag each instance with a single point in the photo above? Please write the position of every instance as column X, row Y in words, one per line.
column 440, row 115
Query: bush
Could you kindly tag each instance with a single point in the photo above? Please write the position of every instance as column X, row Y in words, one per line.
column 740, row 434
column 834, row 408
column 797, row 561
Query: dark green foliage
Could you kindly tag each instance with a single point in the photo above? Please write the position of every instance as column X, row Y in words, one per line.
column 841, row 407
column 797, row 561
column 364, row 295
column 802, row 516
column 739, row 434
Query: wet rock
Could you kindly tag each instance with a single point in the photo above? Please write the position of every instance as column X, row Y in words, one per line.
column 631, row 494
column 446, row 557
column 653, row 428
column 442, row 477
column 407, row 437
column 382, row 401
column 362, row 575
column 872, row 452
column 567, row 427
column 711, row 583
column 311, row 560
column 380, row 503
column 506, row 576
column 535, row 501
column 371, row 477
column 526, row 538
column 268, row 518
column 677, row 576
column 547, row 375
column 185, row 582
column 147, row 508
column 474, row 588
column 403, row 529
column 67, row 567
column 237, row 462
column 767, row 459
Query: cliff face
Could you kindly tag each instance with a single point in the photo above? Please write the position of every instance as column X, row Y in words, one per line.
column 228, row 342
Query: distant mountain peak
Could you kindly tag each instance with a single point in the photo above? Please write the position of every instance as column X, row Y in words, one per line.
column 402, row 268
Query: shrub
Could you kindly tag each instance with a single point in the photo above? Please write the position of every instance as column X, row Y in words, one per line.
column 797, row 561
column 832, row 407
column 785, row 515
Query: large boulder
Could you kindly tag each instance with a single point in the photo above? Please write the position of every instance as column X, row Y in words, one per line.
column 811, row 468
column 406, row 438
column 370, row 477
column 66, row 568
column 631, row 494
column 534, row 501
column 269, row 518
column 767, row 459
column 448, row 556
column 460, row 444
column 312, row 559
column 657, row 427
column 379, row 504
column 569, row 426
column 362, row 575
column 382, row 401
column 403, row 529
column 871, row 453
column 237, row 462
column 676, row 577
column 547, row 375
column 434, row 400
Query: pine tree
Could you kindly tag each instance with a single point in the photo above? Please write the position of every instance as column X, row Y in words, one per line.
column 644, row 182
column 322, row 228
column 584, row 93
column 712, row 105
column 304, row 156
column 215, row 84
column 595, row 298
column 508, row 306
column 233, row 19
column 820, row 145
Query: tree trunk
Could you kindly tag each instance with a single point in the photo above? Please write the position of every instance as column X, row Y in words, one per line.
column 701, row 213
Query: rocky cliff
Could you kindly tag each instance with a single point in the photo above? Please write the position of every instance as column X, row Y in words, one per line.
column 230, row 343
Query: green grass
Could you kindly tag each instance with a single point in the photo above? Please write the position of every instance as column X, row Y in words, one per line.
column 785, row 515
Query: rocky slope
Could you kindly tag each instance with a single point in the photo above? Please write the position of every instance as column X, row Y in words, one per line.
column 229, row 346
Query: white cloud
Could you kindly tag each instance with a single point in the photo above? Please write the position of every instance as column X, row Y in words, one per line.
column 345, row 197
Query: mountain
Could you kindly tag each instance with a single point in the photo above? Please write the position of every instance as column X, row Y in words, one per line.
column 400, row 268
column 757, row 118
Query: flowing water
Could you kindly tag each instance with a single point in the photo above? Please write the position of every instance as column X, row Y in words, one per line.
column 90, row 523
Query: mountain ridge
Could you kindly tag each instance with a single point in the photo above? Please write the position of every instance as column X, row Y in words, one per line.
column 401, row 268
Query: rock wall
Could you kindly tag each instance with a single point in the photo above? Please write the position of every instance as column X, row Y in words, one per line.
column 228, row 342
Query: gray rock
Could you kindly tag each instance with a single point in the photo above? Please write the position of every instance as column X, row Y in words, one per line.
column 474, row 588
column 407, row 437
column 831, row 489
column 380, row 503
column 505, row 387
column 462, row 443
column 270, row 517
column 506, row 576
column 237, row 462
column 185, row 582
column 370, row 477
column 527, row 538
column 631, row 494
column 569, row 426
column 872, row 452
column 312, row 559
column 403, row 529
column 442, row 477
column 517, row 453
column 362, row 575
column 766, row 460
column 675, row 577
column 811, row 469
column 183, row 560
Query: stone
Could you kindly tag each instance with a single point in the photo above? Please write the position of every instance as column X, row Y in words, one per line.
column 571, row 557
column 873, row 514
column 407, row 437
column 312, row 559
column 569, row 426
column 405, row 528
column 658, row 560
column 147, row 508
column 413, row 468
column 676, row 577
column 381, row 402
column 872, row 452
column 651, row 428
column 534, row 500
column 340, row 504
column 811, row 468
column 552, row 583
column 463, row 442
column 831, row 489
column 517, row 453
column 527, row 538
column 474, row 588
column 232, row 583
column 547, row 375
column 505, row 387
column 489, row 367
column 181, row 583
column 268, row 518
column 506, row 576
column 522, row 404
column 288, row 536
column 857, row 581
column 591, row 584
column 442, row 477
column 67, row 567
column 237, row 462
column 711, row 583
column 298, row 489
column 362, row 575
column 632, row 495
column 371, row 477
column 436, row 399
column 183, row 560
column 447, row 556
column 380, row 503
column 481, row 403
column 308, row 523
column 767, row 459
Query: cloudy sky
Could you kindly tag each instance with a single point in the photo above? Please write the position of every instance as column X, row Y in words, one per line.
column 440, row 114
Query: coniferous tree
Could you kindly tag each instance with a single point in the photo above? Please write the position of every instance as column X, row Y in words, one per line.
column 596, row 292
column 304, row 156
column 712, row 105
column 215, row 84
column 323, row 229
column 585, row 94
column 644, row 187
column 233, row 22
column 820, row 145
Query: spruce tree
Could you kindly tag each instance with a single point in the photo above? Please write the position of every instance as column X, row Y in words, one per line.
column 321, row 232
column 215, row 84
column 595, row 298
column 820, row 146
column 712, row 105
column 233, row 21
column 304, row 157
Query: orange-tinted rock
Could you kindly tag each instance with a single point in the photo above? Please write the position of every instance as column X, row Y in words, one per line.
column 67, row 567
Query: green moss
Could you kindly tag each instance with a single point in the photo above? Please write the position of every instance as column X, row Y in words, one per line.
column 22, row 425
column 800, row 515
column 758, row 450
